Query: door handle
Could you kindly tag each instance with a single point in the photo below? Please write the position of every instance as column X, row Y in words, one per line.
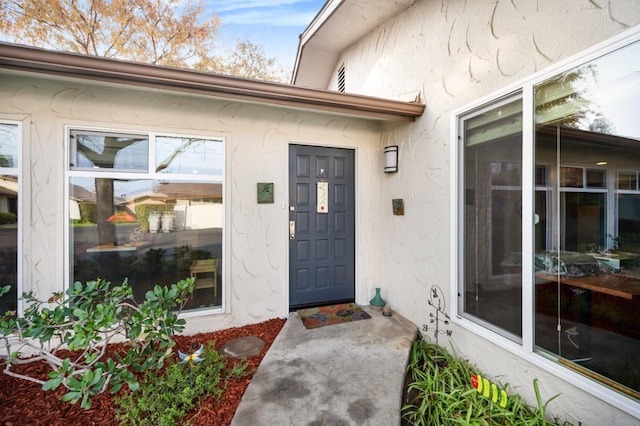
column 292, row 229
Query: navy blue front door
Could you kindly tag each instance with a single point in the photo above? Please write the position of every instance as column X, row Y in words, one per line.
column 321, row 225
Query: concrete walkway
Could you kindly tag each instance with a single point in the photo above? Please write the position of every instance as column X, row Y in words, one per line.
column 343, row 374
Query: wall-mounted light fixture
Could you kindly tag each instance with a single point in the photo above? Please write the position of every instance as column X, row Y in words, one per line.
column 391, row 159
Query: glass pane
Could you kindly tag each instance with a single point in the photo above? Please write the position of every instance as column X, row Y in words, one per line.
column 587, row 260
column 628, row 240
column 9, row 145
column 148, row 231
column 541, row 176
column 93, row 150
column 571, row 177
column 628, row 181
column 493, row 219
column 582, row 221
column 540, row 219
column 189, row 155
column 9, row 241
column 596, row 178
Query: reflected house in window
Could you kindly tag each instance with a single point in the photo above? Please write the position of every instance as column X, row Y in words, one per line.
column 193, row 206
column 588, row 269
column 150, row 227
column 9, row 194
column 586, row 227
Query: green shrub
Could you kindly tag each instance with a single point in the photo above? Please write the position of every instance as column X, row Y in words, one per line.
column 440, row 392
column 88, row 212
column 85, row 319
column 8, row 218
column 166, row 399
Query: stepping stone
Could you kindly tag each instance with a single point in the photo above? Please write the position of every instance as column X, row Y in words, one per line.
column 243, row 347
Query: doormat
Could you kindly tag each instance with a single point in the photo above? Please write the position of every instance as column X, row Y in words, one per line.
column 334, row 314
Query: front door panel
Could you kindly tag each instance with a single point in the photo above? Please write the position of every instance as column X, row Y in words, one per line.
column 321, row 225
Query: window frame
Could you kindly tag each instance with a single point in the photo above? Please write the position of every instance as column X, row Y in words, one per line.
column 460, row 298
column 71, row 172
column 526, row 349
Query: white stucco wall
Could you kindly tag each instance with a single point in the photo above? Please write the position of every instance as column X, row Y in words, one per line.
column 257, row 141
column 452, row 53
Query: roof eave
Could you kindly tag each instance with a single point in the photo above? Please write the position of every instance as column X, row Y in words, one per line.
column 338, row 25
column 31, row 59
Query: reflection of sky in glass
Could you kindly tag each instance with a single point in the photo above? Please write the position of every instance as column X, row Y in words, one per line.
column 121, row 188
column 189, row 155
column 617, row 91
column 8, row 145
column 112, row 152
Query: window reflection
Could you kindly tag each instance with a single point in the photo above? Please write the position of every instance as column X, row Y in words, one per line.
column 8, row 241
column 189, row 155
column 92, row 150
column 156, row 233
column 9, row 193
column 493, row 218
column 9, row 140
column 157, row 225
column 587, row 244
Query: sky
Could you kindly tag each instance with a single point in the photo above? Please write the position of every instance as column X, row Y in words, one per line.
column 274, row 24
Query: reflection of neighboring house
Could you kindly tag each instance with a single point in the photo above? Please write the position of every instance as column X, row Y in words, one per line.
column 74, row 209
column 194, row 206
column 8, row 194
column 79, row 195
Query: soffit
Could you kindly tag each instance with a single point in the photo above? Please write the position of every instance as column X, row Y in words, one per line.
column 31, row 59
column 337, row 26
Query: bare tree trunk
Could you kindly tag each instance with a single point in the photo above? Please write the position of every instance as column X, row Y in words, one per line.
column 105, row 208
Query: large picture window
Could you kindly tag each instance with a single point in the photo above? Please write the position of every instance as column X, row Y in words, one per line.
column 587, row 292
column 9, row 215
column 582, row 245
column 147, row 208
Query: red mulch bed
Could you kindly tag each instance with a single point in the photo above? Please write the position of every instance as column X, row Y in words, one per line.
column 25, row 403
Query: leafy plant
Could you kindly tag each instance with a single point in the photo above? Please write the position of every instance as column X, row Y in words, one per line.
column 7, row 217
column 440, row 392
column 71, row 331
column 166, row 399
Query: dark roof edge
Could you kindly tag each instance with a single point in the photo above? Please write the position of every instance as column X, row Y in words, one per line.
column 26, row 58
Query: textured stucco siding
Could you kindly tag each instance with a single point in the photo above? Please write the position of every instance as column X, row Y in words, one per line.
column 453, row 53
column 257, row 140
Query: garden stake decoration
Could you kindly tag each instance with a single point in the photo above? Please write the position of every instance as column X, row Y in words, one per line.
column 489, row 390
column 191, row 358
column 436, row 299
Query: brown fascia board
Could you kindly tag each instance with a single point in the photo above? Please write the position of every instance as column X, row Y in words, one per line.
column 31, row 59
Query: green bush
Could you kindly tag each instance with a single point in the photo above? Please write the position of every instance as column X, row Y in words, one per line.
column 8, row 218
column 85, row 319
column 166, row 399
column 440, row 392
column 88, row 213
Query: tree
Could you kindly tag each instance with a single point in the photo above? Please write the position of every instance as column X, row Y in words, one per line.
column 248, row 60
column 567, row 101
column 102, row 152
column 161, row 32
